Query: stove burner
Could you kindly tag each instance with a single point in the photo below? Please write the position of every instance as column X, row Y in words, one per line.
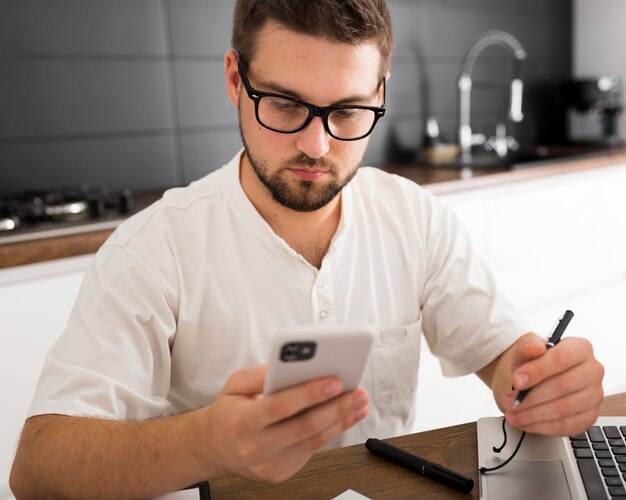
column 39, row 209
column 8, row 222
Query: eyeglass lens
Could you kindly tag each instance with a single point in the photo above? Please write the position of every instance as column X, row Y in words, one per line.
column 285, row 115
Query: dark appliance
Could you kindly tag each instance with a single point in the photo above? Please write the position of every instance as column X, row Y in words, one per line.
column 71, row 209
column 593, row 111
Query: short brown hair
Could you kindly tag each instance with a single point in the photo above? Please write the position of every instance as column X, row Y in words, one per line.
column 343, row 21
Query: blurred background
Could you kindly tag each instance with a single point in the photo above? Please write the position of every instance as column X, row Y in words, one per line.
column 118, row 100
column 131, row 94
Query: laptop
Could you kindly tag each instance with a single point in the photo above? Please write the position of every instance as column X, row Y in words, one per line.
column 590, row 466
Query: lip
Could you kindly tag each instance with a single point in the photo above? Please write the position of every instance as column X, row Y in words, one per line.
column 308, row 175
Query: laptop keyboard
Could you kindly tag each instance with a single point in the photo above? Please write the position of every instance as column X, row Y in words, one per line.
column 601, row 457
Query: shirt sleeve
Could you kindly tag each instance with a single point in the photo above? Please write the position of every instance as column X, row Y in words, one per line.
column 113, row 360
column 468, row 321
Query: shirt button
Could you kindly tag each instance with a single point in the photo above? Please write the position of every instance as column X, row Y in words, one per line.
column 323, row 314
column 320, row 284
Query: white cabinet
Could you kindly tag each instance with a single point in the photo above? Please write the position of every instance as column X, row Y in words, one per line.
column 553, row 243
column 35, row 303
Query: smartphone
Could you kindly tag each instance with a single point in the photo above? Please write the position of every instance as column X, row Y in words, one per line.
column 302, row 353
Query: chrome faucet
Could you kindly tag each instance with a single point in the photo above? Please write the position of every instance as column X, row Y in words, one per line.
column 500, row 143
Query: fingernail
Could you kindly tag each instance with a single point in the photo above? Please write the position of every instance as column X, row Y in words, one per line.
column 360, row 401
column 521, row 381
column 332, row 388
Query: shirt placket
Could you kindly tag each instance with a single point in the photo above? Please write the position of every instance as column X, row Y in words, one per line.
column 322, row 295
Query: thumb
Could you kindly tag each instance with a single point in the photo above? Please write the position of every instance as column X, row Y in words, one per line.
column 247, row 381
column 527, row 348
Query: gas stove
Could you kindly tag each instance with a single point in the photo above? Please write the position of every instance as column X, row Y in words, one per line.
column 41, row 214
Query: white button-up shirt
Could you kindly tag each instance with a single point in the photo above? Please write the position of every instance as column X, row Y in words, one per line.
column 192, row 289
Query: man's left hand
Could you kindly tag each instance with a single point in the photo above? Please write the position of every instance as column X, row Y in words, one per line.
column 565, row 382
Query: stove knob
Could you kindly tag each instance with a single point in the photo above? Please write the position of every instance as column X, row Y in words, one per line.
column 127, row 204
column 97, row 208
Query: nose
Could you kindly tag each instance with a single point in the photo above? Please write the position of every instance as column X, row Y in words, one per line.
column 313, row 140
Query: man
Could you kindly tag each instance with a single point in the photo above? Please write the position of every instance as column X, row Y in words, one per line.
column 157, row 381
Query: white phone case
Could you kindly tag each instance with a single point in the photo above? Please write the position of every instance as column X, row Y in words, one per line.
column 340, row 350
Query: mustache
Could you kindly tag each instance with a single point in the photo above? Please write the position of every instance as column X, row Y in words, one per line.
column 306, row 161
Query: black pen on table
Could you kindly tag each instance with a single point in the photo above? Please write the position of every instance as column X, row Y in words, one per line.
column 420, row 465
column 552, row 341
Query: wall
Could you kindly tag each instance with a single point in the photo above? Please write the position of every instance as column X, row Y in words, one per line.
column 599, row 37
column 131, row 94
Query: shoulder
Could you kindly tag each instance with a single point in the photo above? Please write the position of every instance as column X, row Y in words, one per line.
column 370, row 180
column 157, row 242
column 403, row 208
column 179, row 209
column 381, row 189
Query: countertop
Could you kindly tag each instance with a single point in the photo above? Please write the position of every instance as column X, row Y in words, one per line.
column 439, row 180
column 442, row 180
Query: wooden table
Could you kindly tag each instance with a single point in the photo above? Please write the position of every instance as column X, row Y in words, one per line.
column 330, row 473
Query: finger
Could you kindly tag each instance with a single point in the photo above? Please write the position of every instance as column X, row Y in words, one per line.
column 587, row 374
column 280, row 469
column 570, row 426
column 347, row 407
column 527, row 348
column 567, row 354
column 557, row 409
column 293, row 457
column 318, row 441
column 247, row 381
column 289, row 402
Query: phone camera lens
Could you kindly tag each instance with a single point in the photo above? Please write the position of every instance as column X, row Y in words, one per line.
column 297, row 351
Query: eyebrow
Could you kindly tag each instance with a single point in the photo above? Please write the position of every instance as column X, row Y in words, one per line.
column 353, row 99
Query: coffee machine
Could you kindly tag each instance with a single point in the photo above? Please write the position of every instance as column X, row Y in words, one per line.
column 593, row 111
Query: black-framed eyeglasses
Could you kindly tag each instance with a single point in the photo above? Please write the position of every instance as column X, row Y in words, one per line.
column 288, row 115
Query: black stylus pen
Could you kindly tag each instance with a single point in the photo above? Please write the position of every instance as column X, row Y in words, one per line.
column 420, row 465
column 552, row 341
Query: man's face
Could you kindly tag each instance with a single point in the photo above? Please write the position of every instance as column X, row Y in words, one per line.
column 304, row 171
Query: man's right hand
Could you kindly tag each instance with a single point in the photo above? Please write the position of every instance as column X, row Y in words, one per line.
column 271, row 437
column 242, row 432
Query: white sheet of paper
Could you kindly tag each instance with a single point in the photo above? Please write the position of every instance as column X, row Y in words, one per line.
column 351, row 495
column 192, row 494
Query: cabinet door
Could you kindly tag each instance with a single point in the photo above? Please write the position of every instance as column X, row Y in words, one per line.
column 34, row 313
column 444, row 401
column 549, row 238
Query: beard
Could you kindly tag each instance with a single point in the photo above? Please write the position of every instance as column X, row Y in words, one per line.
column 298, row 194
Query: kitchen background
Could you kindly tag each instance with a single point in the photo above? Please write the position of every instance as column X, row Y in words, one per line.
column 131, row 94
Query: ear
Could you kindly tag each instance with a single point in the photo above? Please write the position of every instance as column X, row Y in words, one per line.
column 233, row 79
column 380, row 90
